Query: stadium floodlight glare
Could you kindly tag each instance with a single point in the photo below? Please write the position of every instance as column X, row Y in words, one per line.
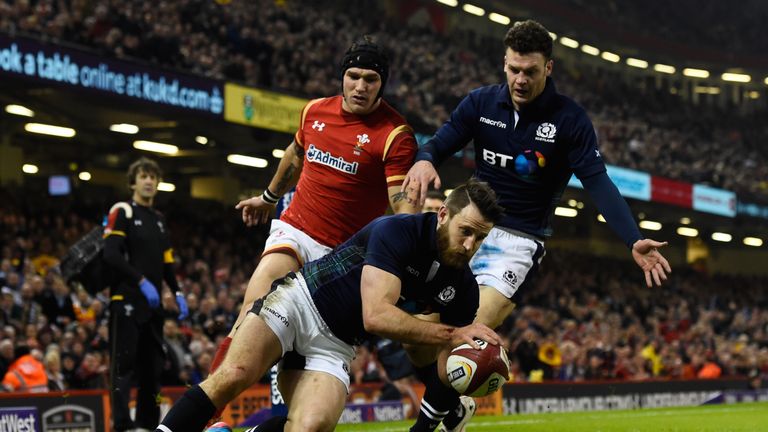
column 721, row 237
column 766, row 80
column 84, row 176
column 572, row 203
column 278, row 153
column 736, row 77
column 447, row 192
column 600, row 218
column 472, row 9
column 754, row 94
column 611, row 57
column 570, row 43
column 566, row 212
column 250, row 161
column 554, row 37
column 589, row 49
column 650, row 225
column 687, row 231
column 753, row 241
column 662, row 68
column 696, row 73
column 156, row 147
column 638, row 63
column 125, row 128
column 499, row 18
column 201, row 140
column 166, row 187
column 685, row 220
column 19, row 110
column 46, row 129
column 451, row 3
column 30, row 169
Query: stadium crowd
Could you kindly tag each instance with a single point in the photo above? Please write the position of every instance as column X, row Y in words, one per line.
column 575, row 324
column 708, row 26
column 284, row 46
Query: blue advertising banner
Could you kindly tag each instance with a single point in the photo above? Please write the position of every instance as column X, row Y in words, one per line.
column 751, row 209
column 712, row 200
column 31, row 59
column 631, row 183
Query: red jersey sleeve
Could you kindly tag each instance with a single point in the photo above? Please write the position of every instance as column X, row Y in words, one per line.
column 399, row 153
column 299, row 136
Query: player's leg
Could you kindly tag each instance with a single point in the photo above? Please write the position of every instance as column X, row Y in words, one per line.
column 124, row 341
column 254, row 348
column 308, row 411
column 148, row 374
column 506, row 262
column 494, row 308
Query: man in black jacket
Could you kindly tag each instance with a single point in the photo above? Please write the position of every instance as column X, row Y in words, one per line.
column 138, row 251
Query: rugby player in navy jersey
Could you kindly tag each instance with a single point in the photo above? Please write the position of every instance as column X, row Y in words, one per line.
column 529, row 140
column 371, row 284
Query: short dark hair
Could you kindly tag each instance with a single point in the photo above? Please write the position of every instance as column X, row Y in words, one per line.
column 529, row 36
column 143, row 164
column 479, row 193
column 436, row 194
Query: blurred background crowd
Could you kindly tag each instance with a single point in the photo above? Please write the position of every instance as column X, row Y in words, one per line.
column 291, row 47
column 576, row 323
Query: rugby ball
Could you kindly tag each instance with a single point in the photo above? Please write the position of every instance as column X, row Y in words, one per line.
column 219, row 427
column 477, row 372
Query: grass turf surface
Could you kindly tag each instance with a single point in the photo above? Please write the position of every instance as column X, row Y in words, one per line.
column 745, row 417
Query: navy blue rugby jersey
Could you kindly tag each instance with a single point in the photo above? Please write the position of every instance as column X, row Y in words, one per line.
column 406, row 246
column 528, row 164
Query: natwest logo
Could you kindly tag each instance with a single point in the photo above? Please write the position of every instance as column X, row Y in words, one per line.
column 21, row 419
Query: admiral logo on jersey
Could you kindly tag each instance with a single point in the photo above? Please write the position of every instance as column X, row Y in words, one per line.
column 326, row 158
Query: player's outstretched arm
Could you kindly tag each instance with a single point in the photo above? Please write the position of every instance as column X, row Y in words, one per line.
column 418, row 179
column 654, row 265
column 380, row 291
column 259, row 209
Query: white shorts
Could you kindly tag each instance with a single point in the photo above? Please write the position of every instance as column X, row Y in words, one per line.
column 290, row 312
column 507, row 260
column 283, row 237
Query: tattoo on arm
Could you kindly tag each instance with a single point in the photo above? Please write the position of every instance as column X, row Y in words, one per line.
column 401, row 196
column 285, row 179
column 298, row 150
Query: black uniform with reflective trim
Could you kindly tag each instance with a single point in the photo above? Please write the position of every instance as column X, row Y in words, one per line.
column 136, row 247
column 405, row 246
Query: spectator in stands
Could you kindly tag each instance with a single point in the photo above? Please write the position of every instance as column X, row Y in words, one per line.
column 26, row 373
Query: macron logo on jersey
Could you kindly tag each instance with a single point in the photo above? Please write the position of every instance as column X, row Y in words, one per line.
column 326, row 158
column 497, row 123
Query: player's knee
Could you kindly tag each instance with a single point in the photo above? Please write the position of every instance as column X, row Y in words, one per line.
column 311, row 422
column 229, row 380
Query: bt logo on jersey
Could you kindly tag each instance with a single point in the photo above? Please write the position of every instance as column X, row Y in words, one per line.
column 491, row 157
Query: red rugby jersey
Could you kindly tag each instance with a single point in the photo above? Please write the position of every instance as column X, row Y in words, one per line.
column 349, row 161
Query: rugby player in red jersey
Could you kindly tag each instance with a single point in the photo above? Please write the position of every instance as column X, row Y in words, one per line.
column 347, row 161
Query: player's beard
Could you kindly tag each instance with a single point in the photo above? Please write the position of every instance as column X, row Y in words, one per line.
column 451, row 256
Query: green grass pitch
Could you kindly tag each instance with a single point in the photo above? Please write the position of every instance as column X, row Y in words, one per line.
column 746, row 417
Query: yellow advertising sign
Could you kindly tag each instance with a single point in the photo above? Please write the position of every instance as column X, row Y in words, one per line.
column 262, row 109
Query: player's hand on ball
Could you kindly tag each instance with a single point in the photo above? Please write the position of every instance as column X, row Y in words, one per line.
column 477, row 372
column 468, row 334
